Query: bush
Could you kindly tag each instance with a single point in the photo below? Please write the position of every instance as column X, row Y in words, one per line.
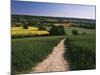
column 57, row 30
column 75, row 32
column 61, row 30
column 25, row 27
column 84, row 33
column 53, row 30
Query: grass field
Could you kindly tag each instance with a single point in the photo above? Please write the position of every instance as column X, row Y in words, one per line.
column 68, row 30
column 81, row 52
column 82, row 48
column 27, row 52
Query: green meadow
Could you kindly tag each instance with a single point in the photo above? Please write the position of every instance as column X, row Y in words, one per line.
column 81, row 51
column 68, row 30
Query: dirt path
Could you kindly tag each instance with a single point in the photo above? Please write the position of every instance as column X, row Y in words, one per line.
column 54, row 62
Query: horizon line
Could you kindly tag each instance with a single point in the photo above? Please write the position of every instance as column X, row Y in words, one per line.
column 54, row 16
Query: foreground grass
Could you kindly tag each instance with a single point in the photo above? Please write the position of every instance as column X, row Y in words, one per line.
column 81, row 52
column 27, row 52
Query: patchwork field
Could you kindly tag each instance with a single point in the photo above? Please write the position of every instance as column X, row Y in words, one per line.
column 28, row 52
column 47, row 37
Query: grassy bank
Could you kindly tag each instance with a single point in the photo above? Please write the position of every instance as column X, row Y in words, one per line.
column 27, row 52
column 81, row 52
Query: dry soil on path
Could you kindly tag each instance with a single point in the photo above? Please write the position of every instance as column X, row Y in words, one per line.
column 54, row 62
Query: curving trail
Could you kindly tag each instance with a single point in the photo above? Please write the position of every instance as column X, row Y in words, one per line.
column 54, row 62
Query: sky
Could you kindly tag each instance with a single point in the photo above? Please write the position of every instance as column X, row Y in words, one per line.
column 52, row 9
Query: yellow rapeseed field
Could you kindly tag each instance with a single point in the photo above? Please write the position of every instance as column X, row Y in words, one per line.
column 21, row 28
column 31, row 31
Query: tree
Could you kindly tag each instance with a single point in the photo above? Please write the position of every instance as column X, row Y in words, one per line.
column 25, row 26
column 57, row 30
column 61, row 30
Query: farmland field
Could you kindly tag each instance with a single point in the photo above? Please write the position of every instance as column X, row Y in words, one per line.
column 47, row 37
column 81, row 53
column 27, row 52
column 80, row 30
column 31, row 31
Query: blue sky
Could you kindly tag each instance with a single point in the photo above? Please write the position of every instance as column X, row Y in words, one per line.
column 52, row 9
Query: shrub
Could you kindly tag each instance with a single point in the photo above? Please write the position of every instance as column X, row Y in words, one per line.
column 53, row 30
column 57, row 30
column 61, row 30
column 25, row 27
column 84, row 33
column 75, row 32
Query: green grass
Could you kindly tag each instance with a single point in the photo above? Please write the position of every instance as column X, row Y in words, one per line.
column 27, row 52
column 68, row 30
column 81, row 52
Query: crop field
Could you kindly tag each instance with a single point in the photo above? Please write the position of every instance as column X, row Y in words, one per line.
column 81, row 53
column 47, row 37
column 80, row 30
column 28, row 52
column 31, row 31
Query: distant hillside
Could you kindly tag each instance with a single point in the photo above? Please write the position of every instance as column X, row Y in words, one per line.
column 50, row 19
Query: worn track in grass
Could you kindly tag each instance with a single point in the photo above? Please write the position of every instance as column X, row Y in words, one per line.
column 54, row 62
